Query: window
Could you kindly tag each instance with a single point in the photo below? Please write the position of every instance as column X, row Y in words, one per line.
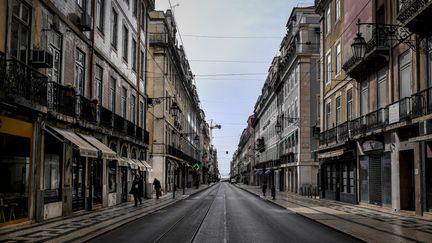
column 327, row 21
column 100, row 8
column 338, row 10
column 79, row 71
column 404, row 75
column 112, row 93
column 134, row 49
column 349, row 105
column 364, row 101
column 328, row 67
column 55, row 48
column 142, row 114
column 123, row 102
column 338, row 110
column 20, row 31
column 132, row 109
column 125, row 43
column 114, row 29
column 112, row 180
column 142, row 64
column 382, row 88
column 135, row 8
column 98, row 79
column 351, row 182
column 344, row 187
column 338, row 57
column 328, row 115
column 52, row 178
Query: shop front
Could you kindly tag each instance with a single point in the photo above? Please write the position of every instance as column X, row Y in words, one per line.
column 338, row 175
column 15, row 166
column 375, row 173
column 83, row 157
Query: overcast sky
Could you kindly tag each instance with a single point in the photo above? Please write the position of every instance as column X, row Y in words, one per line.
column 208, row 29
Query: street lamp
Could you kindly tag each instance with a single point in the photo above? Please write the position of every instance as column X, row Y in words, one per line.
column 359, row 44
column 174, row 109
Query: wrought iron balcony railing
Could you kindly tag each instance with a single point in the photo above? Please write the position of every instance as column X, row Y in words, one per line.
column 415, row 14
column 106, row 117
column 119, row 123
column 422, row 103
column 376, row 119
column 87, row 110
column 332, row 135
column 61, row 99
column 343, row 131
column 18, row 80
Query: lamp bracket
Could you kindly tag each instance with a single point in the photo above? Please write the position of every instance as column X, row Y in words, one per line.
column 393, row 32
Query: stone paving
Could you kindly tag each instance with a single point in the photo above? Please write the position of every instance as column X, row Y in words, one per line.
column 84, row 225
column 365, row 223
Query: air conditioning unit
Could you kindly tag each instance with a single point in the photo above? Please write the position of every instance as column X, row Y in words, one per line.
column 42, row 59
column 84, row 23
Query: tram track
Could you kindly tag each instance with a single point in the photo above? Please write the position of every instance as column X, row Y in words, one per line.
column 203, row 210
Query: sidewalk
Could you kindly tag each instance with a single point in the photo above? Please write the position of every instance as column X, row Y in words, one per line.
column 85, row 225
column 367, row 224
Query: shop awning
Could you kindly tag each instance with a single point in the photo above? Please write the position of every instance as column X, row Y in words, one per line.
column 107, row 153
column 140, row 165
column 131, row 163
column 331, row 154
column 149, row 168
column 84, row 148
column 121, row 161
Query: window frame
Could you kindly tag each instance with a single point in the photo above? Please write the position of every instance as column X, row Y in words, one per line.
column 125, row 47
column 114, row 29
column 100, row 8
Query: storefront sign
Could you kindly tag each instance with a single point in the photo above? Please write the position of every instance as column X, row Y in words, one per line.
column 371, row 145
column 393, row 113
column 15, row 127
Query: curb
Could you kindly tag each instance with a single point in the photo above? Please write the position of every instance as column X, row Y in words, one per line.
column 302, row 215
column 121, row 223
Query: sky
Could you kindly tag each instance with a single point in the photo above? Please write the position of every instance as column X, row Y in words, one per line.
column 230, row 45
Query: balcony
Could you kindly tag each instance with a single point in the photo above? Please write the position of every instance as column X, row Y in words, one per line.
column 19, row 82
column 119, row 123
column 87, row 109
column 376, row 119
column 320, row 5
column 106, row 117
column 422, row 103
column 332, row 135
column 358, row 126
column 415, row 14
column 376, row 56
column 343, row 131
column 61, row 99
column 130, row 129
column 399, row 111
column 158, row 38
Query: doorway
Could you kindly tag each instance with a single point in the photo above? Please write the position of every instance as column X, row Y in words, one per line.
column 406, row 172
column 124, row 186
column 97, row 181
column 78, row 182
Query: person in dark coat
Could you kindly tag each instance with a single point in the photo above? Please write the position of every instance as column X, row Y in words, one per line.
column 157, row 187
column 264, row 188
column 136, row 191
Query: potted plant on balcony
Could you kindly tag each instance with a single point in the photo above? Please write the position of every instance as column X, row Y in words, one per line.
column 94, row 102
column 70, row 90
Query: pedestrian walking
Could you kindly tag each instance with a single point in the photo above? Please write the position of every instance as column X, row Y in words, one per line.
column 273, row 192
column 136, row 191
column 264, row 188
column 157, row 187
